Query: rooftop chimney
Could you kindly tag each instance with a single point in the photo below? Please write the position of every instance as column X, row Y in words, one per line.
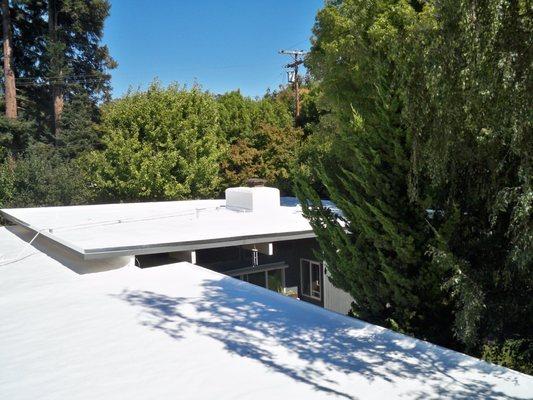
column 255, row 182
column 257, row 198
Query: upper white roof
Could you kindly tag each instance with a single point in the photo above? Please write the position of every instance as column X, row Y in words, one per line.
column 183, row 332
column 142, row 228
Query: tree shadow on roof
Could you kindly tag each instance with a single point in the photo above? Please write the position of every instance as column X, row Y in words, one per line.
column 258, row 324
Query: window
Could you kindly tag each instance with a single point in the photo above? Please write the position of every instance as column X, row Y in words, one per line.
column 270, row 277
column 275, row 280
column 311, row 279
column 259, row 278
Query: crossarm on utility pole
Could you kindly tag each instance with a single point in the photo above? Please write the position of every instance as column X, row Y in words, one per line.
column 297, row 56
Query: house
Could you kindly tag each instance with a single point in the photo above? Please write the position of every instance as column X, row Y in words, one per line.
column 252, row 235
column 76, row 325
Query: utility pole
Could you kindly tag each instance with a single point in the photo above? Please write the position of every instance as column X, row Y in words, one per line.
column 294, row 78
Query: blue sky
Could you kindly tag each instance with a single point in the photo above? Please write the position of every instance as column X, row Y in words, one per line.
column 221, row 44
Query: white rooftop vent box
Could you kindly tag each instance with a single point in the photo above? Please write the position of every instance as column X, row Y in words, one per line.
column 257, row 199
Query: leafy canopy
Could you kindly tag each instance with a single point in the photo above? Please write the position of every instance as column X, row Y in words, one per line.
column 163, row 143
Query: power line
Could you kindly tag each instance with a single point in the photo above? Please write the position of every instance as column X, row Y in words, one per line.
column 298, row 43
column 53, row 77
column 62, row 80
column 294, row 78
column 102, row 75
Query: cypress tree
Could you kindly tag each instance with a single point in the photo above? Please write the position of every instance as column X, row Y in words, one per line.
column 375, row 250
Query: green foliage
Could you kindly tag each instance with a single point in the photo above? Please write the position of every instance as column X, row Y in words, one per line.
column 7, row 182
column 14, row 136
column 377, row 250
column 261, row 138
column 513, row 353
column 75, row 61
column 78, row 133
column 266, row 154
column 163, row 143
column 425, row 145
column 241, row 116
column 310, row 112
column 468, row 103
column 40, row 177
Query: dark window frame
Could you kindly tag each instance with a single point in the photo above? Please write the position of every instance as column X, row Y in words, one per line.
column 311, row 265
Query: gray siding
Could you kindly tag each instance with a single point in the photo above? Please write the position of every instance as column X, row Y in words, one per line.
column 335, row 299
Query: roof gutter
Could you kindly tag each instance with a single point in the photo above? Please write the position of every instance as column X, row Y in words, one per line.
column 91, row 254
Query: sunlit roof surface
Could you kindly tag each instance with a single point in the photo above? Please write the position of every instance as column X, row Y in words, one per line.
column 183, row 332
column 144, row 228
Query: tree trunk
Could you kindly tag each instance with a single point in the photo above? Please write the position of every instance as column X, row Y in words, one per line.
column 55, row 81
column 9, row 75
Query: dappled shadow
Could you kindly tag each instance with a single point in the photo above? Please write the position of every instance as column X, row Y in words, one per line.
column 260, row 325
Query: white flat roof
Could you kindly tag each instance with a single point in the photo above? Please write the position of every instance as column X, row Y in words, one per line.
column 184, row 332
column 143, row 228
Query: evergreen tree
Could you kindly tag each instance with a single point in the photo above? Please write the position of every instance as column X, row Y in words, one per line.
column 60, row 58
column 78, row 133
column 75, row 60
column 376, row 250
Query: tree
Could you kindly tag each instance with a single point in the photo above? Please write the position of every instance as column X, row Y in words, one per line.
column 57, row 65
column 261, row 137
column 58, row 56
column 240, row 115
column 266, row 154
column 375, row 250
column 78, row 133
column 75, row 61
column 163, row 143
column 10, row 89
column 39, row 177
column 14, row 136
column 427, row 153
column 468, row 103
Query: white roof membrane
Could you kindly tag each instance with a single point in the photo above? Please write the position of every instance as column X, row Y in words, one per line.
column 184, row 332
column 105, row 230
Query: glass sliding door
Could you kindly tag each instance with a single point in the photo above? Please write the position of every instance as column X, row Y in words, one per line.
column 311, row 278
column 258, row 279
column 275, row 280
column 269, row 278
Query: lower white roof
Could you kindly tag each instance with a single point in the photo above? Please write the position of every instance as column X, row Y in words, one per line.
column 184, row 332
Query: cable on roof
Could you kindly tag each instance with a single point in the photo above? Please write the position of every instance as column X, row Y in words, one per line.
column 20, row 257
column 187, row 212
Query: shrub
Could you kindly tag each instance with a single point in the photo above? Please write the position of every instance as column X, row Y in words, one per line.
column 516, row 354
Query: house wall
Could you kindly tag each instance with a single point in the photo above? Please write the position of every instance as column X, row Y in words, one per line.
column 335, row 299
column 290, row 252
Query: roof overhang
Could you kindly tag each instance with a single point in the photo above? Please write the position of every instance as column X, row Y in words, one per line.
column 160, row 247
column 90, row 254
